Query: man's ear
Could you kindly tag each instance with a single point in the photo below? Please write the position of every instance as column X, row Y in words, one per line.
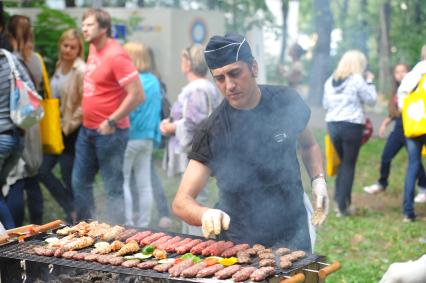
column 254, row 68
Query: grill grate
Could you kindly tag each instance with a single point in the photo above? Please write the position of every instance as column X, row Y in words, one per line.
column 22, row 251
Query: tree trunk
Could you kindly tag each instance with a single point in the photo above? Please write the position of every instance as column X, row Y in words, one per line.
column 211, row 4
column 385, row 73
column 284, row 11
column 363, row 35
column 320, row 70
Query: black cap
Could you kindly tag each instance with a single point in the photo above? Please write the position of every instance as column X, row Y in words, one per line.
column 225, row 50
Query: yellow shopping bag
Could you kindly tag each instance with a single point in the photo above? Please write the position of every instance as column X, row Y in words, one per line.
column 424, row 150
column 331, row 157
column 414, row 111
column 50, row 125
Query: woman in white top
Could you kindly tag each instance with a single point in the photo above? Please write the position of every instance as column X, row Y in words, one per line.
column 345, row 94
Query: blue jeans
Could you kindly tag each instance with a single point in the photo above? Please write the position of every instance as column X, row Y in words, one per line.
column 105, row 153
column 11, row 147
column 346, row 138
column 394, row 143
column 61, row 191
column 414, row 147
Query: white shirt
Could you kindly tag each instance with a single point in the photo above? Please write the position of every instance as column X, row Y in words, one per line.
column 57, row 81
column 410, row 81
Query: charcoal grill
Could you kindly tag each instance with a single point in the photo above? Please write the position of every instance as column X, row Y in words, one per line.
column 19, row 264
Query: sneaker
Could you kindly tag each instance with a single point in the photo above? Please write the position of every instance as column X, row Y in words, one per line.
column 374, row 189
column 408, row 219
column 420, row 198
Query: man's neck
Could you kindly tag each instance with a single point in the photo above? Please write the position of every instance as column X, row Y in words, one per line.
column 100, row 42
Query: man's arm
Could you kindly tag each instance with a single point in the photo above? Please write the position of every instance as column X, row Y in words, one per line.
column 193, row 181
column 135, row 96
column 311, row 154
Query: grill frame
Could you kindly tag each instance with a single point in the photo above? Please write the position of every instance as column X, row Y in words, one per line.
column 11, row 255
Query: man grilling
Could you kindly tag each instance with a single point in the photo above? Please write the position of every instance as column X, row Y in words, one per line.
column 249, row 144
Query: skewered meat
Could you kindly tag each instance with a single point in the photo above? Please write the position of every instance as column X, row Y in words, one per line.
column 266, row 256
column 192, row 271
column 130, row 263
column 69, row 254
column 147, row 264
column 91, row 257
column 177, row 269
column 172, row 248
column 130, row 247
column 139, row 236
column 207, row 251
column 201, row 246
column 262, row 273
column 159, row 254
column 161, row 240
column 126, row 234
column 284, row 263
column 243, row 257
column 266, row 262
column 172, row 241
column 164, row 267
column 113, row 233
column 209, row 271
column 220, row 248
column 243, row 274
column 233, row 250
column 282, row 251
column 151, row 238
column 227, row 272
column 187, row 247
column 80, row 256
column 116, row 260
column 258, row 247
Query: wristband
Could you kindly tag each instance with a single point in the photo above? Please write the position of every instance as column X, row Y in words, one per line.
column 320, row 175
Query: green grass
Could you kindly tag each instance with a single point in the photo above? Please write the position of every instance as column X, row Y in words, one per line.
column 366, row 243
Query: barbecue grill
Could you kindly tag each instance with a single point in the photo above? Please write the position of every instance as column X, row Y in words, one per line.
column 19, row 264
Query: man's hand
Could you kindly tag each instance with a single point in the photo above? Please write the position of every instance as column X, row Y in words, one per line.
column 213, row 220
column 105, row 129
column 321, row 201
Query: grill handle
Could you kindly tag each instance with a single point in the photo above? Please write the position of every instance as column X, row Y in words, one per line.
column 298, row 278
column 324, row 272
column 46, row 227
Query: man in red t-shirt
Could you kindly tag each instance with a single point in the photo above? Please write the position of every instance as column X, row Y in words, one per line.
column 112, row 89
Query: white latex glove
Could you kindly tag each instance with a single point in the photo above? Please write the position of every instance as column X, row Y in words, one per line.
column 406, row 272
column 213, row 220
column 321, row 201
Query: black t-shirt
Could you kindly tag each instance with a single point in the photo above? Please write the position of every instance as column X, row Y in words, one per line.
column 252, row 154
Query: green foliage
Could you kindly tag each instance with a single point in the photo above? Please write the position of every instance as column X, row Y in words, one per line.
column 48, row 27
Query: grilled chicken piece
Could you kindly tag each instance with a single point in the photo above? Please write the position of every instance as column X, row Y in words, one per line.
column 113, row 233
column 116, row 245
column 159, row 254
column 101, row 248
column 79, row 244
column 130, row 247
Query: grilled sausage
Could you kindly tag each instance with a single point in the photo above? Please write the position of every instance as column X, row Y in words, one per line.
column 126, row 234
column 266, row 256
column 151, row 238
column 69, row 254
column 116, row 260
column 233, row 250
column 284, row 263
column 130, row 263
column 243, row 274
column 59, row 252
column 289, row 257
column 172, row 241
column 220, row 248
column 262, row 273
column 147, row 264
column 209, row 271
column 177, row 269
column 172, row 248
column 243, row 257
column 91, row 257
column 139, row 236
column 207, row 251
column 199, row 248
column 227, row 271
column 164, row 267
column 161, row 240
column 192, row 271
column 188, row 246
column 282, row 251
column 42, row 251
column 258, row 247
column 266, row 262
column 104, row 259
column 299, row 254
column 251, row 251
column 80, row 256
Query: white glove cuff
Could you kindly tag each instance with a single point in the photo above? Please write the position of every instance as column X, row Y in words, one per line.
column 320, row 180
